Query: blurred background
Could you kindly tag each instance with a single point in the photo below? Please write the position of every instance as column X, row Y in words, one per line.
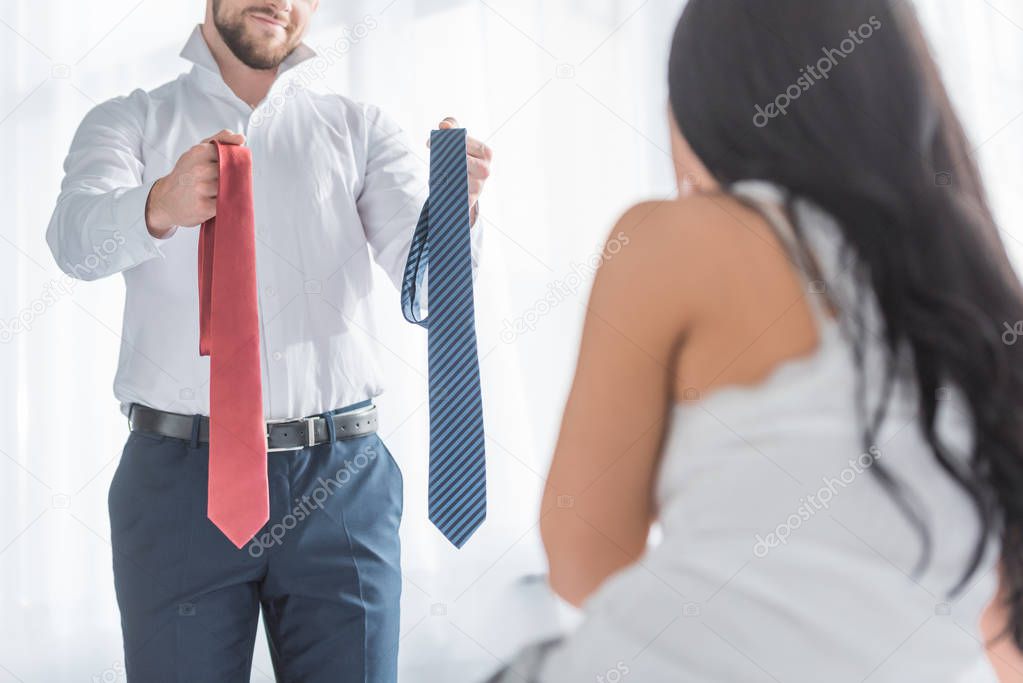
column 571, row 96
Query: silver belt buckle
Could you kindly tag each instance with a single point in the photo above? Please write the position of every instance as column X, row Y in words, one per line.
column 310, row 434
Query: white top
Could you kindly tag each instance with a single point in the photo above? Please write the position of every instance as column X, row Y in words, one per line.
column 782, row 558
column 335, row 182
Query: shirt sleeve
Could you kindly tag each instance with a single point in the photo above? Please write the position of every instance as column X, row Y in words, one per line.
column 394, row 189
column 98, row 227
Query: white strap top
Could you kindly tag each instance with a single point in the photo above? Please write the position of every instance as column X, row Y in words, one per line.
column 782, row 557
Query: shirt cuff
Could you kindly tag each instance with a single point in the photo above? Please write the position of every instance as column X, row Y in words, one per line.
column 130, row 220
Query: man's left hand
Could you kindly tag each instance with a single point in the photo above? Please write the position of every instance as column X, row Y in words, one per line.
column 479, row 156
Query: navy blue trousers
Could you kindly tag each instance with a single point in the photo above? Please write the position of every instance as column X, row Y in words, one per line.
column 324, row 570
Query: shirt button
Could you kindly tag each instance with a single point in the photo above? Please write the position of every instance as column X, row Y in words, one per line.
column 278, row 355
column 270, row 291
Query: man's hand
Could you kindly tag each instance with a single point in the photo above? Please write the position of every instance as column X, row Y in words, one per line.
column 479, row 157
column 188, row 194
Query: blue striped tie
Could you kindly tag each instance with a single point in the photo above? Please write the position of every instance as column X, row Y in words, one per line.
column 458, row 477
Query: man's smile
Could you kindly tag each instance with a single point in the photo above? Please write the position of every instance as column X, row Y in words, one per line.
column 267, row 20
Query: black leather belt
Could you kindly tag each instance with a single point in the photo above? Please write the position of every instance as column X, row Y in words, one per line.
column 281, row 435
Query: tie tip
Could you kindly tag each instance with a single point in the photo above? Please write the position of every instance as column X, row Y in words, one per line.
column 239, row 534
column 459, row 537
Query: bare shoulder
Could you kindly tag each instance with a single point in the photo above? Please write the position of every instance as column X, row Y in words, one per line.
column 698, row 225
column 684, row 251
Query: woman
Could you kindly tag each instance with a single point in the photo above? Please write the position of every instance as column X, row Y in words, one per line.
column 797, row 373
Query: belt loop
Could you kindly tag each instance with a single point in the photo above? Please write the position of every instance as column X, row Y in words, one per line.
column 331, row 431
column 355, row 406
column 196, row 421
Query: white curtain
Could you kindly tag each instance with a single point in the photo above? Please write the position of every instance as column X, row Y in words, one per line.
column 569, row 93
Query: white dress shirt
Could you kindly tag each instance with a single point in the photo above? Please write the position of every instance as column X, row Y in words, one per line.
column 335, row 182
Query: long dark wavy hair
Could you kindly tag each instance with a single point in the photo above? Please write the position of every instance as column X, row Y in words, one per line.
column 841, row 103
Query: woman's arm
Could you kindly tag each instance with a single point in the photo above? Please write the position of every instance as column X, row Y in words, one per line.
column 1001, row 650
column 597, row 507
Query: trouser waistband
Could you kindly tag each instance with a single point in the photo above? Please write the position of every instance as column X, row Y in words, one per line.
column 358, row 419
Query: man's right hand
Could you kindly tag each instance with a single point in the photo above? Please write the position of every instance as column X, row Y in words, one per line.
column 188, row 194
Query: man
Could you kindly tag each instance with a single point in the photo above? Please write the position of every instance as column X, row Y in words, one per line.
column 334, row 184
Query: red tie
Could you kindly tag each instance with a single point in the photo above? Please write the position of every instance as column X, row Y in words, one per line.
column 229, row 334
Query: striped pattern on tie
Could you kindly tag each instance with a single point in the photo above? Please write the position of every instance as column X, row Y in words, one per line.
column 458, row 495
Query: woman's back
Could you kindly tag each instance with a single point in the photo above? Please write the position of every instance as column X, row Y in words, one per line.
column 782, row 554
column 827, row 448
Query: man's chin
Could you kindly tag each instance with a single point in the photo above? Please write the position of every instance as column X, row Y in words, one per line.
column 267, row 57
column 255, row 47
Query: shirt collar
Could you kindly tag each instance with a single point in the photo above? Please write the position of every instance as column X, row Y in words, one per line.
column 198, row 52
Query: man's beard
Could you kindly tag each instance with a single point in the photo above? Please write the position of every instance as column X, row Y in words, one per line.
column 252, row 53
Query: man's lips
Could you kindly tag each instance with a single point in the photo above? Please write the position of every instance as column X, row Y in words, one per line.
column 264, row 19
